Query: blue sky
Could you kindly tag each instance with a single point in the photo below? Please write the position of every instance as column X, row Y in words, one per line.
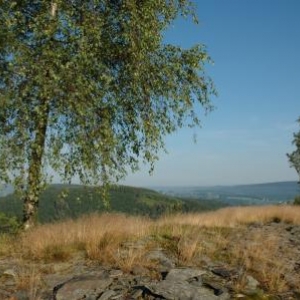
column 255, row 46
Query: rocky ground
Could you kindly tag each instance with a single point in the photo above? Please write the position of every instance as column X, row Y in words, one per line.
column 212, row 279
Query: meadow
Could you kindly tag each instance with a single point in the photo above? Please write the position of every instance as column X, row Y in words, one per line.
column 240, row 237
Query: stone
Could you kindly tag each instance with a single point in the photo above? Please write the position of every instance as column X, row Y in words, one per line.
column 218, row 288
column 183, row 274
column 107, row 295
column 165, row 262
column 178, row 285
column 183, row 291
column 10, row 273
column 137, row 294
column 223, row 272
column 118, row 296
column 115, row 273
column 53, row 280
column 252, row 286
column 252, row 283
column 81, row 288
column 240, row 296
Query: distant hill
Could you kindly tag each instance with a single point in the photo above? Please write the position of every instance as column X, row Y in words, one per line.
column 252, row 194
column 82, row 200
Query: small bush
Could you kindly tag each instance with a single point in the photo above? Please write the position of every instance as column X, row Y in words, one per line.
column 297, row 200
column 9, row 224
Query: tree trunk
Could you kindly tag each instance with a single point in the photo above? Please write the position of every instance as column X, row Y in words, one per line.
column 31, row 198
column 53, row 9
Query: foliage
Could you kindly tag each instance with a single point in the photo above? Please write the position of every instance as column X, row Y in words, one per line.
column 294, row 157
column 89, row 89
column 8, row 224
column 297, row 200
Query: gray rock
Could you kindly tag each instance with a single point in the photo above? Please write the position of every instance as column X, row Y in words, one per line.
column 178, row 285
column 115, row 273
column 10, row 273
column 118, row 296
column 84, row 287
column 183, row 274
column 52, row 280
column 183, row 291
column 223, row 272
column 165, row 262
column 252, row 286
column 213, row 284
column 252, row 283
column 137, row 294
column 107, row 295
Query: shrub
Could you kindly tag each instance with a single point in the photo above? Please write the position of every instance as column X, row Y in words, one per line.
column 8, row 224
column 297, row 200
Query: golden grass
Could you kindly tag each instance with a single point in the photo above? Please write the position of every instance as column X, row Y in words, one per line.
column 26, row 278
column 259, row 256
column 6, row 245
column 234, row 216
column 93, row 233
column 110, row 239
column 29, row 278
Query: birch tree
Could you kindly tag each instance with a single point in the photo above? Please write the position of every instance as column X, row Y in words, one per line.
column 90, row 89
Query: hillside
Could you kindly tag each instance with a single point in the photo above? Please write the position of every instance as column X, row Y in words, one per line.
column 251, row 194
column 83, row 200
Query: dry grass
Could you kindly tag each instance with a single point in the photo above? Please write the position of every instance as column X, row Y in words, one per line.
column 6, row 245
column 88, row 229
column 110, row 239
column 234, row 216
column 26, row 278
column 100, row 236
column 187, row 243
column 258, row 256
column 29, row 278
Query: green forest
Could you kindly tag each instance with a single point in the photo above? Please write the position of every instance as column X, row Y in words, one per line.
column 60, row 201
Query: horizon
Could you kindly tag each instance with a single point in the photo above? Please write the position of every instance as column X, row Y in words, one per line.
column 254, row 46
column 223, row 185
column 4, row 186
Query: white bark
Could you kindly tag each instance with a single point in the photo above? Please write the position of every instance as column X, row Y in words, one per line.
column 53, row 9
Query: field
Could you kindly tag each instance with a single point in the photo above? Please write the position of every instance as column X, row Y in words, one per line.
column 255, row 241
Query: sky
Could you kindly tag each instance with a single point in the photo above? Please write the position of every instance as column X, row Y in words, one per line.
column 255, row 46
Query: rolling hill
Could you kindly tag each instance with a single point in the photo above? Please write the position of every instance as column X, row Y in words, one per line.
column 251, row 194
column 80, row 200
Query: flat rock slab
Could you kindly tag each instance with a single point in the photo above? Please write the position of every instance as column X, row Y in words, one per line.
column 183, row 291
column 82, row 288
column 176, row 286
column 184, row 274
